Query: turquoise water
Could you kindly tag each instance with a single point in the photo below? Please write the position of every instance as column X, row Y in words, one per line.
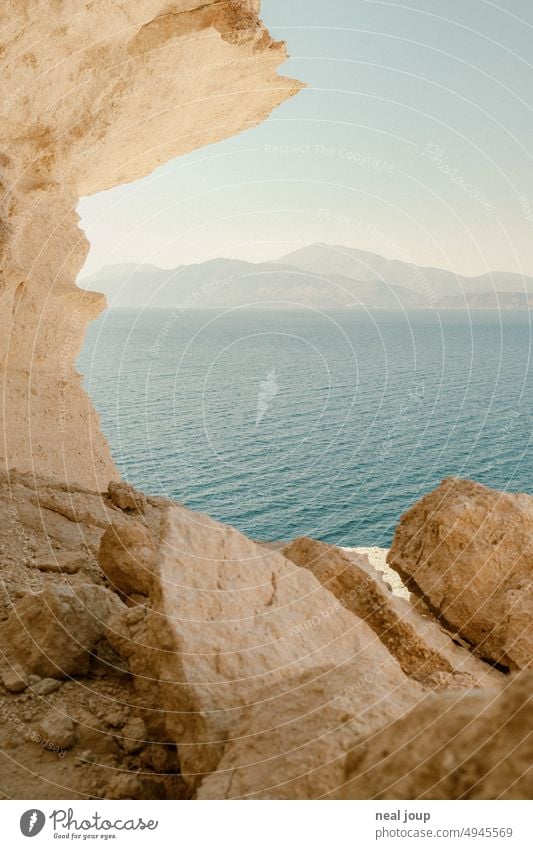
column 330, row 425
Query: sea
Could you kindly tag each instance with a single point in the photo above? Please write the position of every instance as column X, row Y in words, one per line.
column 306, row 422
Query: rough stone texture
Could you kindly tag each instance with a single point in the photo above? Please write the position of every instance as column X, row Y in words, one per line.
column 47, row 522
column 468, row 552
column 92, row 95
column 133, row 736
column 377, row 557
column 52, row 633
column 40, row 518
column 236, row 663
column 46, row 686
column 422, row 648
column 62, row 562
column 233, row 627
column 126, row 557
column 126, row 497
column 452, row 746
column 294, row 746
column 14, row 679
column 57, row 730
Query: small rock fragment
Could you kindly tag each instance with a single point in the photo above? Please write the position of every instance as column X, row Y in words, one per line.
column 57, row 730
column 52, row 633
column 60, row 562
column 467, row 551
column 125, row 557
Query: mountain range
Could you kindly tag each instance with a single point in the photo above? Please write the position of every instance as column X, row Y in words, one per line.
column 319, row 275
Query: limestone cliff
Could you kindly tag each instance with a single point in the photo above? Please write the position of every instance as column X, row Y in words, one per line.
column 95, row 94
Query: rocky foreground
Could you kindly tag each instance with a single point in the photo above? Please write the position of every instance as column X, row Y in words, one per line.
column 151, row 652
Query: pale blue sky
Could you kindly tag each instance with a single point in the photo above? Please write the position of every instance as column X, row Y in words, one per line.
column 414, row 139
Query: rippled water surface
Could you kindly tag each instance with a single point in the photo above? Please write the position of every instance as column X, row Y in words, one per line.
column 330, row 425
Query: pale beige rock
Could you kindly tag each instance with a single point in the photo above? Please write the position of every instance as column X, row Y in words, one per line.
column 232, row 627
column 133, row 736
column 452, row 746
column 294, row 746
column 98, row 704
column 52, row 633
column 125, row 557
column 57, row 730
column 126, row 497
column 46, row 686
column 131, row 636
column 61, row 562
column 94, row 95
column 377, row 557
column 422, row 648
column 468, row 552
column 278, row 712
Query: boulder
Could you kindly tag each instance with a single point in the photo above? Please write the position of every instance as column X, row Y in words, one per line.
column 45, row 686
column 52, row 633
column 125, row 557
column 86, row 90
column 467, row 552
column 423, row 650
column 232, row 628
column 453, row 745
column 126, row 497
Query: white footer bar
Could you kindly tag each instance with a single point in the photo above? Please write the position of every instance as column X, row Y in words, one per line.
column 268, row 825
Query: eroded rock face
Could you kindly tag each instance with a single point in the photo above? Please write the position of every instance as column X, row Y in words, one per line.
column 476, row 745
column 234, row 665
column 468, row 552
column 95, row 94
column 237, row 636
column 423, row 650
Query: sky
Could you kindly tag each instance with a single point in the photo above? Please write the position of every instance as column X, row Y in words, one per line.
column 413, row 139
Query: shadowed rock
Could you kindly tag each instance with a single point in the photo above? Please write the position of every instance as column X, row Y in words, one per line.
column 232, row 630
